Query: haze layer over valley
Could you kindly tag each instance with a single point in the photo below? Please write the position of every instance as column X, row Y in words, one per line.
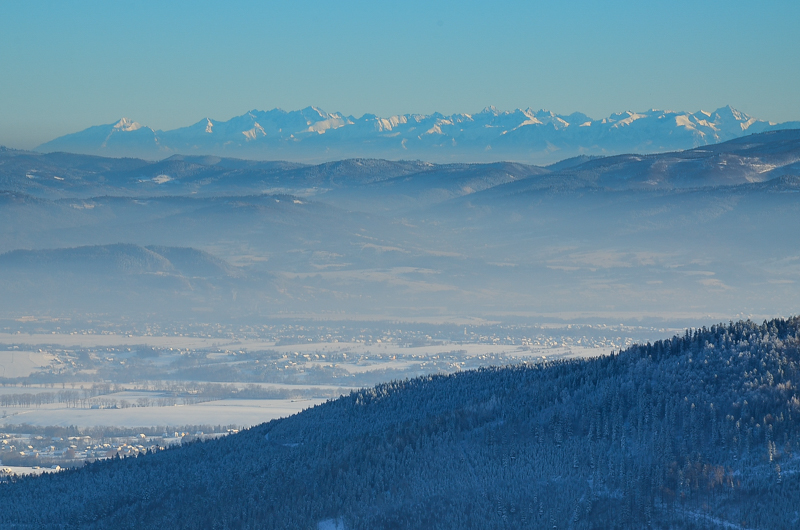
column 693, row 234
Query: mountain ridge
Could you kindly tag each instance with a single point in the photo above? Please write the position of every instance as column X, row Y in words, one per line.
column 314, row 135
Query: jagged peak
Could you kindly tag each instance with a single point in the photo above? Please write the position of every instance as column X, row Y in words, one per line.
column 542, row 113
column 127, row 125
column 728, row 111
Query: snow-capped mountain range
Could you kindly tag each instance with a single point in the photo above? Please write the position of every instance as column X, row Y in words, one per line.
column 313, row 135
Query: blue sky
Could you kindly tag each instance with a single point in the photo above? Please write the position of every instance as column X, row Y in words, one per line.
column 68, row 65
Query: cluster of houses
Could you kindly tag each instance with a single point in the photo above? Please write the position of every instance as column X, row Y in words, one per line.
column 35, row 452
column 29, row 453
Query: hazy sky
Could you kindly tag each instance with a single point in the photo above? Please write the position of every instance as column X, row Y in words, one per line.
column 67, row 65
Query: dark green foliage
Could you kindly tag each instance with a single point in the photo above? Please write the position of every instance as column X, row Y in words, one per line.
column 700, row 431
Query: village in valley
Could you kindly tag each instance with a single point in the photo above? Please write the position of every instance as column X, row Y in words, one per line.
column 76, row 394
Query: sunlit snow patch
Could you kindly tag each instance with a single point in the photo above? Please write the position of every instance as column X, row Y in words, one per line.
column 127, row 125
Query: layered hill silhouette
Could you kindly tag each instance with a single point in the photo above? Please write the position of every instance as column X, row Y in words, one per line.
column 697, row 431
column 752, row 158
column 702, row 231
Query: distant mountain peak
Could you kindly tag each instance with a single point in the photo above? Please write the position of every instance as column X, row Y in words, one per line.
column 127, row 125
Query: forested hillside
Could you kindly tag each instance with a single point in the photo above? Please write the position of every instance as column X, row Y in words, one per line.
column 700, row 431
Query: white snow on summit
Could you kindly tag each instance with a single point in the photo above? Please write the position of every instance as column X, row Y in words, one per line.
column 127, row 125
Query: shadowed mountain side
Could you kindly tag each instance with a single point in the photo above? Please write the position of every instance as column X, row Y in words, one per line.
column 56, row 175
column 82, row 176
column 15, row 160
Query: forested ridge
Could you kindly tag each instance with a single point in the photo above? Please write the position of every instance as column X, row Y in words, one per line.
column 698, row 431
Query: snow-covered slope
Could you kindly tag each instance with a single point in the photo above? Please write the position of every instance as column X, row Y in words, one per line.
column 312, row 134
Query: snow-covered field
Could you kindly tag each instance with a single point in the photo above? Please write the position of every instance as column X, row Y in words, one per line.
column 241, row 412
column 22, row 363
column 93, row 340
column 132, row 393
column 464, row 349
column 142, row 404
column 24, row 470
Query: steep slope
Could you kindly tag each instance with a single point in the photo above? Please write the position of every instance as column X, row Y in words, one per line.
column 700, row 431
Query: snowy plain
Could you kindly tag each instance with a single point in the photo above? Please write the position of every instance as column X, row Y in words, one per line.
column 240, row 412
